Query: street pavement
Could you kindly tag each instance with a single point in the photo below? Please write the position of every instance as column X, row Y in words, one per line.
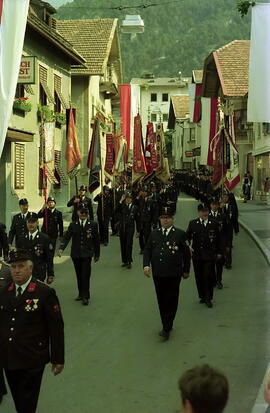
column 115, row 361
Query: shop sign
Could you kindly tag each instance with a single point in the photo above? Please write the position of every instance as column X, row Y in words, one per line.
column 27, row 70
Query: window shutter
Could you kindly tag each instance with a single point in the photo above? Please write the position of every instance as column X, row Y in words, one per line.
column 43, row 78
column 58, row 90
column 19, row 166
column 50, row 175
column 57, row 164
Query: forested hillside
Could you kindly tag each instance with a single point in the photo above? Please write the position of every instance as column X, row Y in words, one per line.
column 178, row 34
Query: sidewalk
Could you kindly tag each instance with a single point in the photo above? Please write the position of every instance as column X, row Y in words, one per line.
column 254, row 217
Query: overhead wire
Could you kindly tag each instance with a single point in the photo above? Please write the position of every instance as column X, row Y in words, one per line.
column 120, row 7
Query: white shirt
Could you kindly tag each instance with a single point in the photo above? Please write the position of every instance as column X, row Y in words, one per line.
column 204, row 221
column 24, row 216
column 167, row 230
column 33, row 234
column 83, row 222
column 23, row 286
column 214, row 213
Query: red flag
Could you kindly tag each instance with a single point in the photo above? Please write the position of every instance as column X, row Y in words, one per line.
column 73, row 155
column 197, row 104
column 125, row 110
column 110, row 158
column 139, row 167
column 94, row 158
column 220, row 167
column 213, row 129
column 232, row 176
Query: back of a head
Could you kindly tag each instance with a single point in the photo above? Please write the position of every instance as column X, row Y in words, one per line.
column 205, row 388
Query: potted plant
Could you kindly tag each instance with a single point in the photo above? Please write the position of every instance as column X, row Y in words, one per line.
column 45, row 113
column 22, row 104
column 60, row 118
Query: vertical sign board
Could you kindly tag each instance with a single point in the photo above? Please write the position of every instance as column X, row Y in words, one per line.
column 27, row 73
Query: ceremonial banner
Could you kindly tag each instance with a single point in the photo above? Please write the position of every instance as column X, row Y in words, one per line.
column 191, row 92
column 135, row 108
column 13, row 17
column 208, row 129
column 162, row 171
column 150, row 150
column 94, row 158
column 120, row 150
column 197, row 104
column 259, row 65
column 220, row 168
column 49, row 128
column 139, row 167
column 73, row 155
column 125, row 111
column 232, row 175
column 109, row 160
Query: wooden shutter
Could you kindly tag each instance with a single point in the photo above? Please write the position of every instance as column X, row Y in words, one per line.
column 58, row 90
column 19, row 166
column 59, row 170
column 43, row 79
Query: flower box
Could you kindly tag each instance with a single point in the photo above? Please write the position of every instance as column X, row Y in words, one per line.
column 22, row 104
column 45, row 113
column 60, row 118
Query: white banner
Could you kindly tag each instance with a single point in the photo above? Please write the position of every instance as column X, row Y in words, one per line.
column 49, row 128
column 259, row 65
column 134, row 109
column 205, row 129
column 12, row 30
column 192, row 92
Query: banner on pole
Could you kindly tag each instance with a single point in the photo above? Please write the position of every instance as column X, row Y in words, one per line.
column 94, row 158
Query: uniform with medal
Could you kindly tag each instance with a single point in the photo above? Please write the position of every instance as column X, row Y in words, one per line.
column 40, row 250
column 85, row 246
column 5, row 278
column 31, row 332
column 205, row 243
column 18, row 227
column 167, row 253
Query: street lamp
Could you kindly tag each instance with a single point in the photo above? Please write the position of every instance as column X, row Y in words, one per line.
column 132, row 24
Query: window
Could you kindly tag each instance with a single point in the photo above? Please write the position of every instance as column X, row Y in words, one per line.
column 192, row 134
column 165, row 97
column 45, row 95
column 153, row 117
column 153, row 97
column 266, row 128
column 58, row 171
column 19, row 166
column 58, row 97
column 165, row 117
column 19, row 91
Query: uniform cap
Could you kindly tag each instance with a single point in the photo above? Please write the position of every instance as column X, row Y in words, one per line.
column 128, row 194
column 166, row 211
column 23, row 201
column 32, row 217
column 83, row 188
column 51, row 198
column 83, row 209
column 18, row 255
column 202, row 207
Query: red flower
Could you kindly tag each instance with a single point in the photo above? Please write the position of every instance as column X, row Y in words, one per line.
column 23, row 98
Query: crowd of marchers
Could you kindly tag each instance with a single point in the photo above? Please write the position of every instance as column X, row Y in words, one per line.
column 31, row 324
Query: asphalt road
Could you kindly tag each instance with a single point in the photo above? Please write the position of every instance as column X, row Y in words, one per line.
column 115, row 361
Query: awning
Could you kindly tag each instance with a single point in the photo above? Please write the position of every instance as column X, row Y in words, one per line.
column 47, row 91
column 16, row 135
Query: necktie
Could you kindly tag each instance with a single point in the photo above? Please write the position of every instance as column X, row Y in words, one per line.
column 19, row 291
column 31, row 239
column 165, row 232
column 81, row 224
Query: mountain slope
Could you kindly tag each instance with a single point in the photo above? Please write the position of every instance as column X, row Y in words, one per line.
column 178, row 34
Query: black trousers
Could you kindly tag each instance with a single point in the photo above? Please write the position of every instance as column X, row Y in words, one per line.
column 25, row 386
column 3, row 389
column 53, row 242
column 228, row 257
column 218, row 269
column 126, row 243
column 144, row 234
column 103, row 226
column 83, row 273
column 204, row 271
column 167, row 291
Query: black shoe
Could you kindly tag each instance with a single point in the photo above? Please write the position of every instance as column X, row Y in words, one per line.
column 85, row 301
column 128, row 266
column 202, row 301
column 124, row 264
column 78, row 298
column 113, row 234
column 141, row 252
column 228, row 267
column 219, row 285
column 164, row 334
column 105, row 244
column 1, row 398
column 208, row 304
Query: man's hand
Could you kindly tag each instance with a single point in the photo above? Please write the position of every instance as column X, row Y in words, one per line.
column 77, row 200
column 147, row 271
column 137, row 235
column 186, row 275
column 219, row 256
column 49, row 279
column 96, row 259
column 59, row 253
column 57, row 369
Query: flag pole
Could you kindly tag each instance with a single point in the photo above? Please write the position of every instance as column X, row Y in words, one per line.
column 101, row 176
column 44, row 175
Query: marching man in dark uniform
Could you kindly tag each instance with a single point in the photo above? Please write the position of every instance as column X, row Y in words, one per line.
column 204, row 238
column 52, row 221
column 168, row 196
column 230, row 214
column 4, row 247
column 216, row 214
column 40, row 249
column 85, row 246
column 31, row 332
column 78, row 200
column 127, row 214
column 18, row 227
column 5, row 278
column 104, row 213
column 148, row 215
column 168, row 255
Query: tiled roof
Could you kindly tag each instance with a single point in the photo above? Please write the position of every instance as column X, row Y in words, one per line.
column 232, row 62
column 93, row 40
column 161, row 81
column 35, row 23
column 197, row 76
column 180, row 106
